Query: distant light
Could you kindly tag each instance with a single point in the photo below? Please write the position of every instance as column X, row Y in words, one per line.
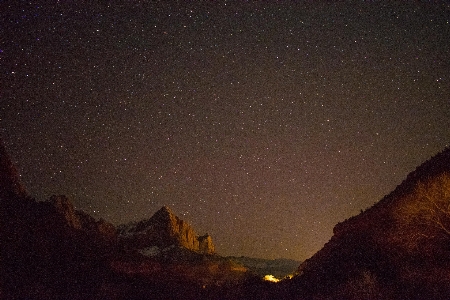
column 271, row 278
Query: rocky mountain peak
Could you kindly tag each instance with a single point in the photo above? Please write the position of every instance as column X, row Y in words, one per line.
column 164, row 213
column 165, row 229
column 165, row 209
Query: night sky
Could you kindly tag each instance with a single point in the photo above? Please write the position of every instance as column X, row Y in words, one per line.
column 262, row 124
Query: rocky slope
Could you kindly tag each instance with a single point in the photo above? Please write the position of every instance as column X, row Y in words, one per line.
column 163, row 230
column 397, row 249
column 80, row 220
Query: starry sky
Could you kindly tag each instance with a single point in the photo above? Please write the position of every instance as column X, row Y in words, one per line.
column 261, row 123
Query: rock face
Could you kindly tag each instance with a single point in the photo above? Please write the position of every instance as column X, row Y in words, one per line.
column 66, row 209
column 165, row 229
column 80, row 220
column 206, row 244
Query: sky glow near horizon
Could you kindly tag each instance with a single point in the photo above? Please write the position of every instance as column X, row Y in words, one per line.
column 261, row 124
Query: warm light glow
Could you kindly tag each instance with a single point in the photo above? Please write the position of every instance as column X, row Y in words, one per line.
column 271, row 278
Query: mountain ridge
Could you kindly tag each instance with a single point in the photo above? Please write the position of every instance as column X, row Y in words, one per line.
column 380, row 249
column 164, row 229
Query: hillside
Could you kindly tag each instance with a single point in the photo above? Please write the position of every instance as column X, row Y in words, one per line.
column 397, row 249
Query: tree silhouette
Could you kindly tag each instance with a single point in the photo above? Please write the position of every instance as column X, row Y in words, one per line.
column 429, row 204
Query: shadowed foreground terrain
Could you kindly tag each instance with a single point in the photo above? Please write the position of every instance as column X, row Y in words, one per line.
column 397, row 249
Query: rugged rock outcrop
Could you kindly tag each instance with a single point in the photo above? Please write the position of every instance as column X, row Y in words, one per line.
column 165, row 229
column 80, row 220
column 206, row 244
column 66, row 209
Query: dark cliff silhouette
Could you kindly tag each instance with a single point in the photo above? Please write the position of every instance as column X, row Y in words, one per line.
column 45, row 250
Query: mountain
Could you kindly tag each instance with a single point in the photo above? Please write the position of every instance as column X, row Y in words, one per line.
column 162, row 231
column 46, row 255
column 50, row 250
column 397, row 249
column 47, row 248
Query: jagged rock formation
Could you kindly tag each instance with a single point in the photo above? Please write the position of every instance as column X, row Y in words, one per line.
column 80, row 220
column 66, row 209
column 165, row 229
column 397, row 249
column 96, row 227
column 205, row 244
